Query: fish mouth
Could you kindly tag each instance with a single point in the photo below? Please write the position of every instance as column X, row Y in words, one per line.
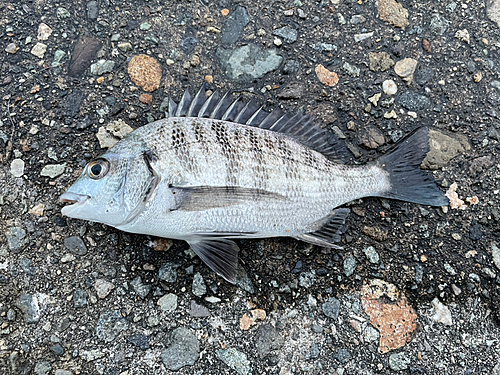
column 77, row 199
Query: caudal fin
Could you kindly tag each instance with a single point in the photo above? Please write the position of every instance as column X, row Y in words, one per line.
column 409, row 182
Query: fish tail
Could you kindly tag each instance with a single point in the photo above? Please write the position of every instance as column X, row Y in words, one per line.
column 407, row 181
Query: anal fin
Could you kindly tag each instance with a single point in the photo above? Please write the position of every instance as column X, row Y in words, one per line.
column 220, row 254
column 329, row 234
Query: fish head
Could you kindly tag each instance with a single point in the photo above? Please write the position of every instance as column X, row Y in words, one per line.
column 112, row 189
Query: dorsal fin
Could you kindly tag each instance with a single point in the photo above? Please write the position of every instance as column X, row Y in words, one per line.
column 299, row 126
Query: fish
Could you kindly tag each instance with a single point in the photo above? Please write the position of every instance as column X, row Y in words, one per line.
column 217, row 169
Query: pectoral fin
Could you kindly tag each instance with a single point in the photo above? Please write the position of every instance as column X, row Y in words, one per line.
column 220, row 254
column 199, row 198
column 329, row 234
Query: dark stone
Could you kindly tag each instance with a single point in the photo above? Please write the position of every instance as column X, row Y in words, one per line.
column 85, row 51
column 267, row 338
column 298, row 267
column 110, row 325
column 289, row 34
column 475, row 231
column 423, row 75
column 188, row 44
column 331, row 308
column 73, row 103
column 291, row 66
column 57, row 349
column 293, row 90
column 92, row 10
column 75, row 245
column 234, row 26
column 481, row 164
column 168, row 272
column 141, row 289
column 27, row 266
column 314, row 351
column 183, row 351
column 322, row 272
column 413, row 101
column 342, row 355
column 141, row 341
column 132, row 24
column 79, row 298
column 84, row 123
column 370, row 137
column 28, row 304
column 198, row 311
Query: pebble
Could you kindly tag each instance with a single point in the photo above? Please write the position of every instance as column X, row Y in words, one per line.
column 267, row 339
column 342, row 355
column 17, row 167
column 63, row 372
column 438, row 24
column 39, row 50
column 57, row 349
column 198, row 311
column 495, row 253
column 85, row 51
column 92, row 10
column 352, row 70
column 236, row 22
column 146, row 99
column 62, row 13
column 199, row 288
column 360, row 37
column 493, row 12
column 331, row 308
column 168, row 272
column 168, row 302
column 103, row 287
column 75, row 245
column 406, row 68
column 44, row 31
column 235, row 359
column 481, row 164
column 183, row 350
column 139, row 340
column 42, row 368
column 441, row 313
column 102, row 67
column 125, row 46
column 350, row 265
column 399, row 361
column 29, row 305
column 389, row 87
column 110, row 325
column 16, row 238
column 370, row 137
column 380, row 61
column 289, row 34
column 248, row 62
column 371, row 254
column 357, row 19
column 91, row 355
column 443, row 149
column 53, row 170
column 188, row 44
column 463, row 35
column 307, row 279
column 243, row 281
column 110, row 134
column 325, row 76
column 145, row 26
column 392, row 12
column 141, row 289
column 58, row 56
column 475, row 233
column 293, row 90
column 73, row 103
column 145, row 72
column 11, row 48
column 79, row 298
column 413, row 101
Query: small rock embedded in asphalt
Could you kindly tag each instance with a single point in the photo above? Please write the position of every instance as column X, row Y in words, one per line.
column 75, row 245
column 438, row 24
column 73, row 103
column 371, row 254
column 291, row 66
column 481, row 164
column 351, row 70
column 110, row 325
column 413, row 101
column 141, row 341
column 53, row 170
column 140, row 288
column 199, row 288
column 102, row 67
column 370, row 137
column 243, row 281
column 17, row 167
column 307, row 279
column 248, row 62
column 380, row 61
column 168, row 302
column 423, row 75
column 235, row 359
column 495, row 253
column 350, row 265
column 198, row 311
column 188, row 44
column 28, row 304
column 399, row 361
column 342, row 355
column 392, row 12
column 389, row 87
column 79, row 298
column 289, row 34
column 267, row 339
column 39, row 50
column 183, row 350
column 57, row 349
column 92, row 10
column 234, row 26
column 475, row 233
column 325, row 76
column 314, row 351
column 103, row 287
column 63, row 372
column 168, row 272
column 443, row 149
column 42, row 368
column 294, row 90
column 85, row 50
column 16, row 238
column 331, row 308
column 405, row 69
column 145, row 72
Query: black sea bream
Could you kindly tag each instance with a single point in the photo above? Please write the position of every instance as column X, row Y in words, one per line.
column 216, row 170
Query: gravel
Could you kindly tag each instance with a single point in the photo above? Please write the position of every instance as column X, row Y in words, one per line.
column 183, row 350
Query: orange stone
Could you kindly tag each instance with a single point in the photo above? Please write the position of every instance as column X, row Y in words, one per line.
column 145, row 72
column 325, row 76
column 246, row 322
column 390, row 313
column 146, row 99
column 224, row 12
column 100, row 80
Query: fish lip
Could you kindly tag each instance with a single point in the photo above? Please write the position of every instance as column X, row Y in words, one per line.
column 77, row 200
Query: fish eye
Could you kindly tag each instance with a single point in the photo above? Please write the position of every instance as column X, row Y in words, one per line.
column 98, row 168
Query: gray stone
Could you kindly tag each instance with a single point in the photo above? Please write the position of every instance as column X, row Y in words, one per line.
column 17, row 167
column 314, row 351
column 73, row 103
column 370, row 137
column 331, row 308
column 168, row 302
column 75, row 245
column 495, row 253
column 235, row 359
column 198, row 311
column 357, row 19
column 16, row 238
column 350, row 265
column 352, row 70
column 419, row 273
column 62, row 13
column 103, row 287
column 496, row 369
column 27, row 266
column 438, row 24
column 399, row 361
column 199, row 288
column 57, row 349
column 92, row 10
column 141, row 341
column 413, row 101
column 43, row 368
column 140, row 288
column 423, row 75
column 249, row 62
column 28, row 304
column 101, row 67
column 291, row 66
column 324, row 47
column 293, row 90
column 79, row 298
column 183, row 350
column 188, row 44
column 495, row 84
column 307, row 279
column 168, row 272
column 371, row 254
column 267, row 339
column 289, row 34
column 110, row 325
column 234, row 26
column 11, row 315
column 58, row 56
column 443, row 148
column 342, row 355
column 481, row 164
column 92, row 355
column 53, row 170
column 243, row 281
column 493, row 11
column 63, row 372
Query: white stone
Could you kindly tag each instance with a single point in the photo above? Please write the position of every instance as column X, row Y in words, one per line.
column 389, row 87
column 39, row 50
column 441, row 313
column 17, row 167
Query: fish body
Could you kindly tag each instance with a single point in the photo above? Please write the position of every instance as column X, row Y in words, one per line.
column 209, row 180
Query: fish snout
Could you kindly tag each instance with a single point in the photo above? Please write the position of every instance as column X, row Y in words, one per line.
column 77, row 200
